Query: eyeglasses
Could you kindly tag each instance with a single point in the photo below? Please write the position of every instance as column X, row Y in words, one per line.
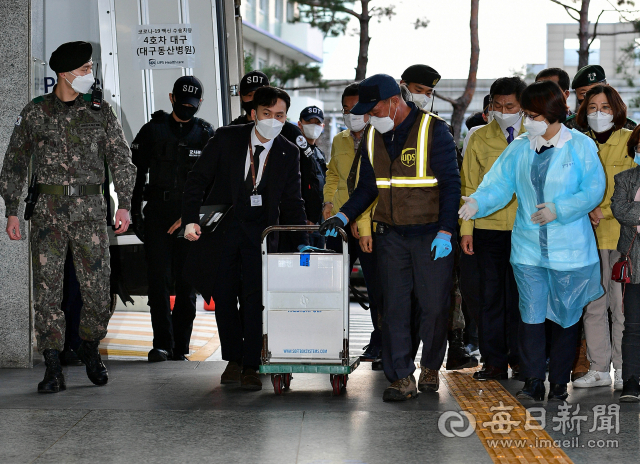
column 530, row 117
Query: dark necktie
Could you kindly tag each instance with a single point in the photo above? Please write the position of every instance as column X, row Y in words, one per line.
column 256, row 164
column 510, row 138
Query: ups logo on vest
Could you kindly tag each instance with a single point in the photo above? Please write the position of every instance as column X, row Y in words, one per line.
column 408, row 157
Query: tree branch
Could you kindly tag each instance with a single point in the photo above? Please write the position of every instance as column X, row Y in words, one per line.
column 568, row 8
column 595, row 30
column 447, row 99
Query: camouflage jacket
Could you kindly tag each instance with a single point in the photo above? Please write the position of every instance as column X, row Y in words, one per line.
column 571, row 123
column 71, row 145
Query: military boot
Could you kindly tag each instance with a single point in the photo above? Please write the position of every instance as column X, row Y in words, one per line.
column 457, row 356
column 53, row 377
column 90, row 356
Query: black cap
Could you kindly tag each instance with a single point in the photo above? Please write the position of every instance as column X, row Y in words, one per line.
column 311, row 112
column 188, row 89
column 70, row 56
column 589, row 75
column 374, row 89
column 252, row 81
column 421, row 74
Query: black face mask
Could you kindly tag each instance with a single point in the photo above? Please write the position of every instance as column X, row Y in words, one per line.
column 247, row 106
column 184, row 113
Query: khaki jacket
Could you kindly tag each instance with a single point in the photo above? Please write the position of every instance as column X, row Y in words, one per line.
column 485, row 146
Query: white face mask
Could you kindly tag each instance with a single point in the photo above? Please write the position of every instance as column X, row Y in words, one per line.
column 504, row 119
column 421, row 100
column 600, row 122
column 383, row 125
column 354, row 122
column 535, row 128
column 312, row 131
column 269, row 128
column 81, row 84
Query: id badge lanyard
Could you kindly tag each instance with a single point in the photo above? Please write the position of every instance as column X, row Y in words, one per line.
column 256, row 200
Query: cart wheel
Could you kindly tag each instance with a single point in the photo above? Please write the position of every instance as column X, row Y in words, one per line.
column 331, row 376
column 287, row 381
column 277, row 384
column 337, row 384
column 345, row 378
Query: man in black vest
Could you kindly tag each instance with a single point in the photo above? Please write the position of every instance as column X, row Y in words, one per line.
column 166, row 148
column 256, row 171
column 409, row 164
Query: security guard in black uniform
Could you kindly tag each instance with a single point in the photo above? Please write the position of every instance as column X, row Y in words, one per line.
column 248, row 85
column 167, row 147
column 313, row 168
column 584, row 79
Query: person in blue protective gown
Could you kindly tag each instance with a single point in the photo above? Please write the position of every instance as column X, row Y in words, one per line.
column 558, row 179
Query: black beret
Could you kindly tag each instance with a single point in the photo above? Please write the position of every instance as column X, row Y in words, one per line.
column 421, row 74
column 589, row 75
column 70, row 56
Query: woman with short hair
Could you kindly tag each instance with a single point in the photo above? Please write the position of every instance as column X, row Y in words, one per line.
column 604, row 112
column 558, row 179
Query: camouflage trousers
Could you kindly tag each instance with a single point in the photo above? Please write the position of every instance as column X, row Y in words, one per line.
column 89, row 244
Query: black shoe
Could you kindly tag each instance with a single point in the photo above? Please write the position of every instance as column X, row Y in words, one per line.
column 179, row 357
column 371, row 353
column 158, row 355
column 53, row 377
column 376, row 365
column 557, row 392
column 69, row 358
column 457, row 356
column 533, row 390
column 90, row 356
column 630, row 391
column 491, row 373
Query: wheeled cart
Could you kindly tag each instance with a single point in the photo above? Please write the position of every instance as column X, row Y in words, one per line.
column 305, row 322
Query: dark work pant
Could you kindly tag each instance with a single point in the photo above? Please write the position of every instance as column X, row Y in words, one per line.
column 368, row 263
column 499, row 314
column 166, row 255
column 71, row 305
column 533, row 356
column 631, row 334
column 470, row 290
column 240, row 331
column 405, row 266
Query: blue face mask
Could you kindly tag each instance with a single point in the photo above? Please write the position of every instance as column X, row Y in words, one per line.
column 637, row 158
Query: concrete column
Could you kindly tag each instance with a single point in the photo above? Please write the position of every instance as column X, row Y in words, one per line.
column 15, row 87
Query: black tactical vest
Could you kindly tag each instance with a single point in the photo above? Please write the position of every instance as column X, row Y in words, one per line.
column 172, row 158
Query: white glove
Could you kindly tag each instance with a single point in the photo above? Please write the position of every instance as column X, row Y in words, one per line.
column 469, row 209
column 545, row 215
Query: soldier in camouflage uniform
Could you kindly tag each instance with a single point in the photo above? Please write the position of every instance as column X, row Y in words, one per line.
column 70, row 143
column 584, row 80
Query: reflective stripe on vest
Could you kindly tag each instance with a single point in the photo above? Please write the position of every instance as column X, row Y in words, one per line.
column 421, row 179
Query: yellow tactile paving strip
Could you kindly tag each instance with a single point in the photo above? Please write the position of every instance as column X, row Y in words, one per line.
column 478, row 398
column 130, row 336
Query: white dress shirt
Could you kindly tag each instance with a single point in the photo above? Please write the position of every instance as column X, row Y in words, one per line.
column 263, row 156
column 552, row 142
column 516, row 130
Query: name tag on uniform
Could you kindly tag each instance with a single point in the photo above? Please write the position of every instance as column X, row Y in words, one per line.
column 256, row 200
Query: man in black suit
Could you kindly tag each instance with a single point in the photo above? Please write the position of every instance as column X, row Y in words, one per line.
column 256, row 170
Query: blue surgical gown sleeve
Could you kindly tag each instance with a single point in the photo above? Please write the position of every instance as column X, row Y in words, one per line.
column 572, row 206
column 498, row 185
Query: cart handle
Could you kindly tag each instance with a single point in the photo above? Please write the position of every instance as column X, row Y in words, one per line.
column 312, row 228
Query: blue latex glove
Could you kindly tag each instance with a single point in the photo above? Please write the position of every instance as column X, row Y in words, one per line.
column 307, row 248
column 442, row 245
column 329, row 227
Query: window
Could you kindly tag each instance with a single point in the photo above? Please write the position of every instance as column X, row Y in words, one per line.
column 290, row 11
column 279, row 11
column 261, row 64
column 571, row 47
column 264, row 6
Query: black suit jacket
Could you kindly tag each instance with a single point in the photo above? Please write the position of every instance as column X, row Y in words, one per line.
column 222, row 166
